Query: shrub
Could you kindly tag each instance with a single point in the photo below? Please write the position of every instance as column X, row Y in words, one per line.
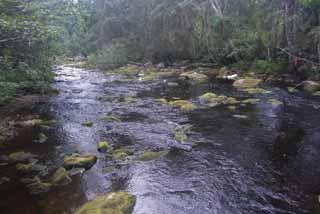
column 267, row 67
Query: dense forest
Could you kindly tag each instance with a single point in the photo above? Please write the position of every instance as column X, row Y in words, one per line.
column 262, row 36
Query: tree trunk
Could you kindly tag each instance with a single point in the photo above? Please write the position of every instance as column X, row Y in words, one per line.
column 289, row 12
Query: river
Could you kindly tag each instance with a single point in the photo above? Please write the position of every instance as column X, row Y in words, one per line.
column 251, row 159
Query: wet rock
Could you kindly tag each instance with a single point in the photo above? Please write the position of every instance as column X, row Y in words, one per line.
column 103, row 146
column 311, row 86
column 255, row 91
column 208, row 97
column 194, row 77
column 31, row 168
column 160, row 65
column 4, row 180
column 292, row 89
column 316, row 93
column 108, row 169
column 87, row 124
column 183, row 105
column 161, row 100
column 76, row 171
column 61, row 177
column 239, row 116
column 247, row 83
column 111, row 203
column 79, row 161
column 36, row 122
column 173, row 84
column 274, row 102
column 39, row 188
column 21, row 157
column 151, row 155
column 42, row 138
column 35, row 179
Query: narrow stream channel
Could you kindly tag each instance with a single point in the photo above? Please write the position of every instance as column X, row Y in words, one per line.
column 252, row 159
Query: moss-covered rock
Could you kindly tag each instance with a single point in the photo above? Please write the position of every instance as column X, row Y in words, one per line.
column 112, row 117
column 274, row 102
column 292, row 89
column 103, row 146
column 61, row 177
column 183, row 105
column 87, row 124
column 311, row 86
column 247, row 83
column 214, row 100
column 21, row 157
column 250, row 101
column 208, row 97
column 85, row 161
column 151, row 155
column 256, row 91
column 194, row 77
column 111, row 203
column 121, row 154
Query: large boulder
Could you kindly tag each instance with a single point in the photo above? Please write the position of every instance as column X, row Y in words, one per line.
column 111, row 203
column 311, row 86
column 247, row 83
column 61, row 177
column 85, row 161
column 194, row 77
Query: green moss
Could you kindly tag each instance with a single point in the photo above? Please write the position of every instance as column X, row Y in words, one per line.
column 61, row 177
column 111, row 203
column 103, row 146
column 255, row 91
column 150, row 155
column 87, row 124
column 79, row 161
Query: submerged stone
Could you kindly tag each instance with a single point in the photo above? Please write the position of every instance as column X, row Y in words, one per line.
column 87, row 124
column 21, row 157
column 208, row 97
column 76, row 171
column 121, row 154
column 292, row 89
column 79, row 161
column 256, row 91
column 42, row 138
column 31, row 168
column 150, row 155
column 103, row 146
column 214, row 100
column 161, row 100
column 61, row 177
column 316, row 93
column 4, row 180
column 112, row 117
column 183, row 105
column 35, row 179
column 111, row 203
column 108, row 169
column 250, row 101
column 240, row 116
column 247, row 83
column 39, row 188
column 274, row 102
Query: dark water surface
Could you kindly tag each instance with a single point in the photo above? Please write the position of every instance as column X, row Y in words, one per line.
column 263, row 160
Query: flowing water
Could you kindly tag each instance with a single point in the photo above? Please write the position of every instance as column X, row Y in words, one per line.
column 253, row 159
